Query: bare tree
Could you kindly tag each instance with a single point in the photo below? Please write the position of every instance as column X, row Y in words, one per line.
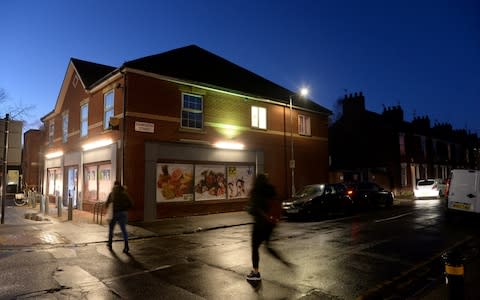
column 16, row 110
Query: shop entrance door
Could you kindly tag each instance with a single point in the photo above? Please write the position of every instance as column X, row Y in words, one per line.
column 72, row 186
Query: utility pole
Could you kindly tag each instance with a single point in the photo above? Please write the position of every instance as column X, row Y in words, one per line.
column 5, row 181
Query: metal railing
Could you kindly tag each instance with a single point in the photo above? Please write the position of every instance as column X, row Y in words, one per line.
column 98, row 212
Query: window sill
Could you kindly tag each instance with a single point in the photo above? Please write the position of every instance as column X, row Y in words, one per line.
column 192, row 130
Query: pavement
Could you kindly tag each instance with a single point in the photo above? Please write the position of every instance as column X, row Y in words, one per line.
column 25, row 227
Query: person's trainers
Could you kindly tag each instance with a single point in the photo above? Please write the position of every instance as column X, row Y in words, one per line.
column 254, row 276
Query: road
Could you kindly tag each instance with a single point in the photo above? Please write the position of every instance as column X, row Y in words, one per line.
column 336, row 258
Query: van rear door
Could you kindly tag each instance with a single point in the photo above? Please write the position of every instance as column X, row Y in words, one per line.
column 463, row 191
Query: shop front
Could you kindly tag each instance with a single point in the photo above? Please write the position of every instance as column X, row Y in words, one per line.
column 194, row 179
column 98, row 173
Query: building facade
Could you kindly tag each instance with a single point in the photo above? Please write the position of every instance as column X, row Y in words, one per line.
column 31, row 162
column 365, row 145
column 13, row 142
column 186, row 131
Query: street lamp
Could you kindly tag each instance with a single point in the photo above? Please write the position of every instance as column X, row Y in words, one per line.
column 303, row 93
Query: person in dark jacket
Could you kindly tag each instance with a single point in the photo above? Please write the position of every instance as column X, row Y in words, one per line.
column 121, row 202
column 265, row 209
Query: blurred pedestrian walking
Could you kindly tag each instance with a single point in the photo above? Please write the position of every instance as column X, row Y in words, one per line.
column 266, row 210
column 121, row 202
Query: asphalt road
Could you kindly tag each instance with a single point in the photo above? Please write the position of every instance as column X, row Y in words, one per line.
column 336, row 258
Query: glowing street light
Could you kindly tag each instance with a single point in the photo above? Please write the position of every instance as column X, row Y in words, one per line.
column 303, row 93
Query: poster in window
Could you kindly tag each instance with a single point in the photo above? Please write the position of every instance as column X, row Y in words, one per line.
column 240, row 181
column 174, row 182
column 104, row 181
column 210, row 182
column 91, row 183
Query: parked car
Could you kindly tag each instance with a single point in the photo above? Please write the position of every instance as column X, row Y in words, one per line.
column 426, row 188
column 318, row 200
column 369, row 194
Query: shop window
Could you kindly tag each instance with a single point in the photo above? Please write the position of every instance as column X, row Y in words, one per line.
column 198, row 182
column 104, row 181
column 192, row 111
column 98, row 182
column 259, row 117
column 54, row 181
column 108, row 101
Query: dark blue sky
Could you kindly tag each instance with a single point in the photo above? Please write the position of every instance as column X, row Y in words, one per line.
column 422, row 55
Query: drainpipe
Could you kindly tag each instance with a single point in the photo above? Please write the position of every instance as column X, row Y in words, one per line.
column 123, row 139
column 5, row 168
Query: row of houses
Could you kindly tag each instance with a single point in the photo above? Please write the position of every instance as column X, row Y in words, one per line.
column 186, row 131
column 383, row 147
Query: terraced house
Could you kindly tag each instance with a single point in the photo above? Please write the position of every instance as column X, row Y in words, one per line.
column 185, row 130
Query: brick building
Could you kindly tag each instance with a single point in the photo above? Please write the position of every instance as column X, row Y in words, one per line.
column 32, row 159
column 365, row 145
column 186, row 131
column 14, row 155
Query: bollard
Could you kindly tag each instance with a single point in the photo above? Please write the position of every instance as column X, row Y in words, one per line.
column 454, row 274
column 59, row 206
column 70, row 208
column 47, row 204
column 34, row 199
column 42, row 203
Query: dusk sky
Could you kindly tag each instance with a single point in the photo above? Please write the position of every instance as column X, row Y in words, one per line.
column 422, row 55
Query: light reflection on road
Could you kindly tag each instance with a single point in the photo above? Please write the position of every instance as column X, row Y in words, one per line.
column 426, row 203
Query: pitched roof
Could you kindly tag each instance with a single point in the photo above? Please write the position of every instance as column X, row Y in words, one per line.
column 195, row 64
column 90, row 72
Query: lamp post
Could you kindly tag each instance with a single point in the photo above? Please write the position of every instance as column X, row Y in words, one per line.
column 303, row 93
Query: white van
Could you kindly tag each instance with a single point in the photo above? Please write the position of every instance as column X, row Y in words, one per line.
column 464, row 191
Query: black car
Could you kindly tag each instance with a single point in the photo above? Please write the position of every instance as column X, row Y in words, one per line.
column 318, row 200
column 369, row 194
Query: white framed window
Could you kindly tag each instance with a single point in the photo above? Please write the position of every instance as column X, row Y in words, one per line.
column 259, row 117
column 65, row 127
column 84, row 120
column 51, row 131
column 192, row 111
column 304, row 125
column 108, row 101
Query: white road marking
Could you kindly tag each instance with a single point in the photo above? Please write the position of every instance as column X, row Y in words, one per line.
column 393, row 218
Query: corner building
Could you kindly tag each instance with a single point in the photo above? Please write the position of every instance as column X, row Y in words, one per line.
column 185, row 130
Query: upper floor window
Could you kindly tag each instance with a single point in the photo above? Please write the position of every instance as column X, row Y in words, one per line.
column 259, row 117
column 401, row 142
column 51, row 130
column 65, row 127
column 192, row 111
column 84, row 119
column 108, row 101
column 423, row 141
column 304, row 125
